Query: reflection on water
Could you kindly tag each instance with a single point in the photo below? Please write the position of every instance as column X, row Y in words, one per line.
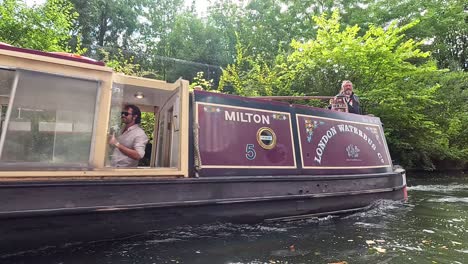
column 430, row 228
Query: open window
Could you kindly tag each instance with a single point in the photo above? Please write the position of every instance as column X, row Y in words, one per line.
column 46, row 120
column 159, row 103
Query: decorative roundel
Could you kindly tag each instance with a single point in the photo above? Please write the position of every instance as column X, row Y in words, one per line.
column 266, row 137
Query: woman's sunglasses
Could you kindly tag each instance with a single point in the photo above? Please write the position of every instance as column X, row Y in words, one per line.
column 125, row 113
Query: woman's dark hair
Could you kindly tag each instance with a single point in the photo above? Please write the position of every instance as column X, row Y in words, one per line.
column 136, row 112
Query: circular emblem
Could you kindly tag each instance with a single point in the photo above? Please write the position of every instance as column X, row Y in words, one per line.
column 266, row 137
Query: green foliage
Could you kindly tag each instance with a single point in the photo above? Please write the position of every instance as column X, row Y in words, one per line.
column 394, row 77
column 227, row 19
column 370, row 59
column 194, row 40
column 119, row 63
column 452, row 116
column 199, row 80
column 147, row 123
column 443, row 23
column 108, row 22
column 389, row 72
column 124, row 64
column 46, row 27
column 247, row 76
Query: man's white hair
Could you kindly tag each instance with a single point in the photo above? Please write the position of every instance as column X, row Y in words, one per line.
column 346, row 82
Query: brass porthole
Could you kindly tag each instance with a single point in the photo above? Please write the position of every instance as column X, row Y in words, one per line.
column 266, row 138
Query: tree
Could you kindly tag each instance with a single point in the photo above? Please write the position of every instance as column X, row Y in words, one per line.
column 160, row 20
column 193, row 40
column 46, row 27
column 200, row 80
column 444, row 24
column 109, row 23
column 394, row 77
column 248, row 76
column 227, row 18
column 452, row 116
column 391, row 74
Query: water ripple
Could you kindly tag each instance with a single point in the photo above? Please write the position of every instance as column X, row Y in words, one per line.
column 439, row 188
column 450, row 200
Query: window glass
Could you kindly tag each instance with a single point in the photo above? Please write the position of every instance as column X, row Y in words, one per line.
column 6, row 82
column 117, row 103
column 51, row 120
column 115, row 121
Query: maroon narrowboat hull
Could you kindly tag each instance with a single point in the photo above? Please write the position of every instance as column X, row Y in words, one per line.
column 54, row 213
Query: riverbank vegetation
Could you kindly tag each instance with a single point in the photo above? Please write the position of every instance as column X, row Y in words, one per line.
column 407, row 60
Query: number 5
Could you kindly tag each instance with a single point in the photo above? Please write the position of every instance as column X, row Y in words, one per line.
column 250, row 152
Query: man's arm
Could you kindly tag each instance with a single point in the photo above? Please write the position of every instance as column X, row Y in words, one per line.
column 136, row 153
column 131, row 153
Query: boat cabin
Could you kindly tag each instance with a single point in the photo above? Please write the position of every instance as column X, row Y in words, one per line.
column 58, row 110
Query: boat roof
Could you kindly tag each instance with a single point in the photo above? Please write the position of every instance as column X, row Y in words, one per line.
column 58, row 55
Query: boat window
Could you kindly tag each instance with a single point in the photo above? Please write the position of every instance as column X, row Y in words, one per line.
column 150, row 101
column 47, row 120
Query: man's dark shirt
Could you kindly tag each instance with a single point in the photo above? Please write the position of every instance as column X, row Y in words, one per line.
column 353, row 104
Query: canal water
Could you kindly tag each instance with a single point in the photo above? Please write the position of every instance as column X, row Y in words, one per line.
column 432, row 227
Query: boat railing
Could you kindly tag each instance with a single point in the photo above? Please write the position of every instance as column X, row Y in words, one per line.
column 293, row 98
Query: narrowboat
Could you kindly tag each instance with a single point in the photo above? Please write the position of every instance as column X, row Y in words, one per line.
column 212, row 156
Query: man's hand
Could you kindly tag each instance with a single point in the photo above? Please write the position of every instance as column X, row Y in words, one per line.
column 113, row 140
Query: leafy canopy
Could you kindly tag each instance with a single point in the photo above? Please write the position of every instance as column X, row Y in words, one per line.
column 46, row 27
column 394, row 77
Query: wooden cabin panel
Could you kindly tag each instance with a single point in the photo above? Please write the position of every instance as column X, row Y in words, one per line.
column 346, row 142
column 241, row 134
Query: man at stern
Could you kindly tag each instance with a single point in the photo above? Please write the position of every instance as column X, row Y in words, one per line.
column 351, row 99
column 129, row 146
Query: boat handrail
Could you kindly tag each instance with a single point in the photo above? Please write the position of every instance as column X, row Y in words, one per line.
column 305, row 97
